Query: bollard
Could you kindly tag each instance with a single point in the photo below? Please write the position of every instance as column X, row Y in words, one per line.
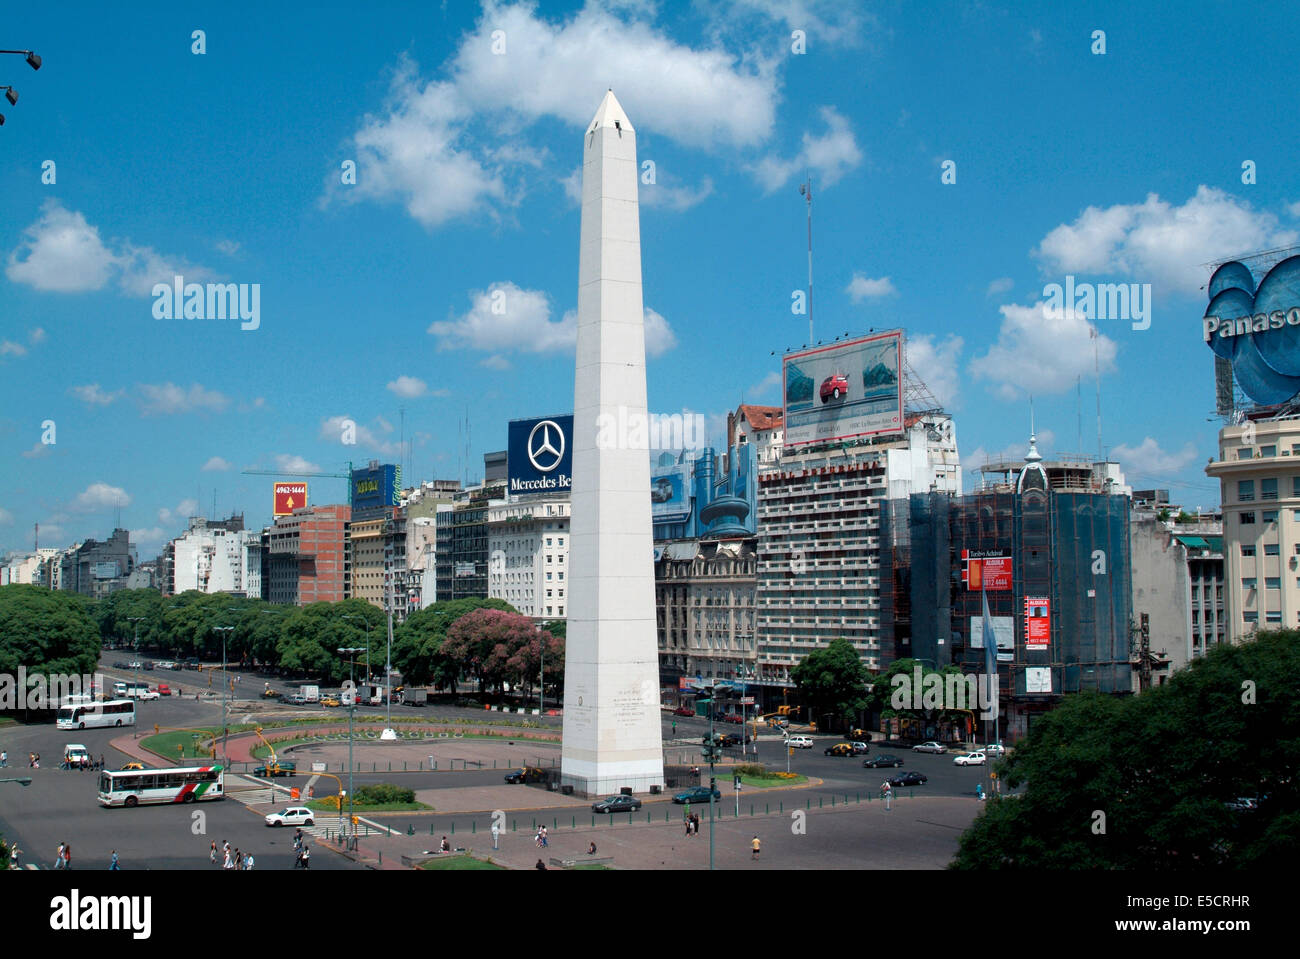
column 808, row 804
column 514, row 826
column 403, row 765
column 430, row 829
column 832, row 802
column 473, row 827
column 767, row 808
column 782, row 805
column 859, row 797
column 573, row 824
column 819, row 802
column 410, row 830
column 453, row 827
column 381, row 857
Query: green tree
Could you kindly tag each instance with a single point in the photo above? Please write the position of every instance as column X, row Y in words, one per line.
column 47, row 631
column 311, row 636
column 1159, row 767
column 833, row 681
column 895, row 699
column 417, row 643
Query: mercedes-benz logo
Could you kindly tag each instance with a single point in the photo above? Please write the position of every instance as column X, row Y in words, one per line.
column 545, row 452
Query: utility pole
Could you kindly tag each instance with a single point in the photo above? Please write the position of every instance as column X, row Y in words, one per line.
column 225, row 681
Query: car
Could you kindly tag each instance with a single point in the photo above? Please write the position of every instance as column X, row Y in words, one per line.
column 733, row 718
column 293, row 816
column 617, row 804
column 328, row 701
column 164, row 664
column 526, row 774
column 142, row 693
column 162, row 689
column 994, row 749
column 75, row 754
column 799, row 742
column 662, row 491
column 969, row 759
column 134, row 664
column 277, row 769
column 148, row 665
column 297, row 699
column 697, row 794
column 121, row 664
column 834, row 387
column 860, row 745
column 683, row 711
column 908, row 778
column 129, row 766
column 192, row 663
column 841, row 749
column 930, row 747
column 884, row 760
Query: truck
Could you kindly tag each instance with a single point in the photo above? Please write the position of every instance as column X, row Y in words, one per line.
column 309, row 694
column 415, row 696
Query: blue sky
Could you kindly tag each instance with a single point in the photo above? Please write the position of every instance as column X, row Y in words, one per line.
column 1119, row 167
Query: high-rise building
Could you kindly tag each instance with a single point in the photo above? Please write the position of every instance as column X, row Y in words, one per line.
column 216, row 557
column 528, row 554
column 308, row 553
column 97, row 568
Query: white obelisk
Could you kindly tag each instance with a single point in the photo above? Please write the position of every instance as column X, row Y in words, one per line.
column 612, row 734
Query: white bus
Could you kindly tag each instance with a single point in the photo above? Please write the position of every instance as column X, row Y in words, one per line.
column 115, row 712
column 180, row 784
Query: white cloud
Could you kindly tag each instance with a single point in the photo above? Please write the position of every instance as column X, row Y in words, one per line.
column 862, row 288
column 829, row 156
column 6, row 517
column 217, row 463
column 495, row 362
column 573, row 186
column 662, row 193
column 830, row 22
column 100, row 496
column 183, row 511
column 659, row 336
column 168, row 398
column 92, row 395
column 1000, row 285
column 1148, row 458
column 1040, row 352
column 10, row 348
column 153, row 536
column 228, row 247
column 35, row 335
column 1294, row 209
column 765, row 385
column 38, row 450
column 294, row 464
column 972, row 461
column 408, row 386
column 1157, row 243
column 335, row 428
column 63, row 253
column 936, row 363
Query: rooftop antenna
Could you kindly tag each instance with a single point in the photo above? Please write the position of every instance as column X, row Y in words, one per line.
column 402, row 439
column 1096, row 366
column 805, row 190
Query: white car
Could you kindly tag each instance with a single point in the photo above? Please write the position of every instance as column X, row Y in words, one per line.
column 969, row 759
column 138, row 693
column 994, row 749
column 930, row 747
column 800, row 742
column 293, row 816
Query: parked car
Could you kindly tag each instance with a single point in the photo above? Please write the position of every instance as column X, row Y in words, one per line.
column 733, row 718
column 697, row 794
column 192, row 663
column 799, row 742
column 148, row 664
column 293, row 816
column 121, row 664
column 297, row 699
column 528, row 774
column 930, row 747
column 134, row 664
column 162, row 689
column 908, row 778
column 277, row 769
column 884, row 760
column 683, row 711
column 994, row 749
column 617, row 804
column 328, row 701
column 969, row 759
column 841, row 749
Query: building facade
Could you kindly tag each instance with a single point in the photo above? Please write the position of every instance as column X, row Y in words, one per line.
column 96, row 568
column 528, row 552
column 308, row 554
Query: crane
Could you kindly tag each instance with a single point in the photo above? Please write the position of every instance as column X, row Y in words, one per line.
column 310, row 474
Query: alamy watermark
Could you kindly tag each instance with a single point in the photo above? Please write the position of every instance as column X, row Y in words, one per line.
column 208, row 301
column 1099, row 301
column 45, row 690
column 946, row 691
column 634, row 430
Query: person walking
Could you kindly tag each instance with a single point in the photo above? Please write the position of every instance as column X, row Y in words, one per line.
column 58, row 857
column 37, row 762
column 226, row 863
column 113, row 864
column 4, row 759
column 239, row 860
column 756, row 846
column 545, row 841
column 306, row 857
column 14, row 852
column 212, row 853
column 67, row 856
column 248, row 862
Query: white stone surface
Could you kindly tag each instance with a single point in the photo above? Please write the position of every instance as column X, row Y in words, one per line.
column 611, row 694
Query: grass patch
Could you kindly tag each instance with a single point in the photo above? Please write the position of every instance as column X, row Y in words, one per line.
column 459, row 862
column 164, row 744
column 770, row 780
column 261, row 752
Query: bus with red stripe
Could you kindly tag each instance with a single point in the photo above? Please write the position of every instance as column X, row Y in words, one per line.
column 179, row 784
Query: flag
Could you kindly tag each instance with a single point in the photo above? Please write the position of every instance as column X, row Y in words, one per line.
column 990, row 658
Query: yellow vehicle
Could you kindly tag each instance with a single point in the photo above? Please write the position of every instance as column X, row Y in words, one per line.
column 841, row 749
column 133, row 766
column 328, row 701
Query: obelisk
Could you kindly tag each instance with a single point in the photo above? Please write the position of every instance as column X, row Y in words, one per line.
column 612, row 732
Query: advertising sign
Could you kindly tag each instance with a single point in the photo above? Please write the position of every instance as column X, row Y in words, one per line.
column 981, row 569
column 1004, row 631
column 1038, row 679
column 1257, row 329
column 670, row 492
column 1038, row 622
column 289, row 497
column 539, row 455
column 107, row 570
column 376, row 487
column 844, row 391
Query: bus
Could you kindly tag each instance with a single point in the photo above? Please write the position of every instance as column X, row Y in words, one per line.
column 115, row 712
column 182, row 784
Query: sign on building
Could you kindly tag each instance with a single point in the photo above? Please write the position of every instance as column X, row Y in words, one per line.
column 289, row 497
column 985, row 570
column 1038, row 622
column 844, row 391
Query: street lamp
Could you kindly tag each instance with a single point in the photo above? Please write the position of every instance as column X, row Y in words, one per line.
column 24, row 781
column 136, row 619
column 33, row 60
column 712, row 759
column 11, row 95
column 367, row 622
column 224, row 631
column 350, row 651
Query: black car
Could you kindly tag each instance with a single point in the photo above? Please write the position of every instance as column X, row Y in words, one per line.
column 908, row 778
column 120, row 664
column 882, row 761
column 697, row 794
column 528, row 774
column 617, row 804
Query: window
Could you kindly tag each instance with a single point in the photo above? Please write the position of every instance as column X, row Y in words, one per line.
column 1244, row 453
column 1273, row 617
column 1250, row 616
column 1270, row 450
column 1248, row 517
column 1245, row 551
column 1270, row 516
column 1245, row 490
column 1271, row 549
column 1268, row 488
column 1248, row 583
column 1272, row 582
column 1295, row 487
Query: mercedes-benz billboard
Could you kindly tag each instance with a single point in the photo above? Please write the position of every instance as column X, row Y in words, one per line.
column 539, row 455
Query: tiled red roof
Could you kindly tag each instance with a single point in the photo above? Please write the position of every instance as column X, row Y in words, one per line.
column 762, row 417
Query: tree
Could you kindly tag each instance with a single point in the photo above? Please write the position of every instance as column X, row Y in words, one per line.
column 832, row 681
column 483, row 642
column 896, row 699
column 1141, row 782
column 312, row 635
column 417, row 643
column 47, row 631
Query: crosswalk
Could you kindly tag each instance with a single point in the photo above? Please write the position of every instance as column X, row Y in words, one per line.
column 254, row 793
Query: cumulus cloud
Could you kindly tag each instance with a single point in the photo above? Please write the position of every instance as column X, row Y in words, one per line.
column 1160, row 243
column 288, row 463
column 6, row 517
column 1041, row 351
column 863, row 288
column 35, row 335
column 829, row 156
column 346, row 430
column 92, row 395
column 829, row 22
column 217, row 463
column 1148, row 458
column 63, row 253
column 765, row 385
column 100, row 496
column 10, row 348
column 167, row 398
column 408, row 386
column 937, row 364
column 1000, row 285
column 495, row 362
column 151, row 536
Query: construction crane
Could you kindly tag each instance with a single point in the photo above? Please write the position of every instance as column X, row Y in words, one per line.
column 302, row 473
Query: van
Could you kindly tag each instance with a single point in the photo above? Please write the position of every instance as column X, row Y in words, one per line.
column 76, row 755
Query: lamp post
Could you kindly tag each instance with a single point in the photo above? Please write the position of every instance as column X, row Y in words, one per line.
column 350, row 651
column 33, row 60
column 224, row 631
column 367, row 622
column 24, row 781
column 136, row 644
column 712, row 759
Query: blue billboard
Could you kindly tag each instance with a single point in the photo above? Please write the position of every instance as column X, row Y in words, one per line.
column 1257, row 329
column 670, row 494
column 539, row 455
column 376, row 487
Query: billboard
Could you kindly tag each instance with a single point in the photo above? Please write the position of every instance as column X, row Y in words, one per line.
column 1038, row 622
column 1004, row 632
column 670, row 492
column 1257, row 329
column 376, row 487
column 844, row 391
column 1038, row 679
column 985, row 570
column 109, row 570
column 289, row 497
column 539, row 455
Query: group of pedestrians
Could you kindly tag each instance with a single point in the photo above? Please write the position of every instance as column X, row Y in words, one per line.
column 693, row 824
column 33, row 760
column 541, row 838
column 230, row 859
column 301, row 855
column 63, row 858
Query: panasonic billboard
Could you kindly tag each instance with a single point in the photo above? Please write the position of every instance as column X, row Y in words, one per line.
column 539, row 455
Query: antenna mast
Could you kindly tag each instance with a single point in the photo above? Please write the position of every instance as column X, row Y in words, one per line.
column 805, row 190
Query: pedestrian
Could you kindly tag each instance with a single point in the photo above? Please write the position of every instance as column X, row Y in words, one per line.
column 306, row 857
column 226, row 863
column 544, row 838
column 13, row 856
column 212, row 854
column 248, row 863
column 31, row 760
column 37, row 764
column 674, row 728
column 689, row 822
column 102, row 764
column 239, row 860
column 756, row 846
column 979, row 792
column 540, row 865
column 591, row 849
column 4, row 759
column 67, row 856
column 496, row 833
column 113, row 865
column 58, row 857
column 444, row 846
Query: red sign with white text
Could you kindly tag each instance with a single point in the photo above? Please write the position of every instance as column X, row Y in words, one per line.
column 289, row 497
column 1038, row 622
column 985, row 572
